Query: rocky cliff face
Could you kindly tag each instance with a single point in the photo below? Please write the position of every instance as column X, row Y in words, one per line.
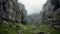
column 51, row 12
column 23, row 14
column 11, row 10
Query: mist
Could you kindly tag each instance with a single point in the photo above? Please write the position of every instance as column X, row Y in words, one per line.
column 33, row 6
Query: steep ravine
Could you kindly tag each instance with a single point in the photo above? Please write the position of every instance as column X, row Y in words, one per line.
column 14, row 18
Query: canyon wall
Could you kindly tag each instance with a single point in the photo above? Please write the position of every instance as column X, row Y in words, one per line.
column 51, row 10
column 11, row 10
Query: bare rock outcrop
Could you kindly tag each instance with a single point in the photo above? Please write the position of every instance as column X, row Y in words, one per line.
column 11, row 10
column 51, row 13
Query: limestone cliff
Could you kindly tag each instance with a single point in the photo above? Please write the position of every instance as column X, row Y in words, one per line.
column 11, row 10
column 51, row 13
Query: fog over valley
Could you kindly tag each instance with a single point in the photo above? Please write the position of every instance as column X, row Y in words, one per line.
column 33, row 6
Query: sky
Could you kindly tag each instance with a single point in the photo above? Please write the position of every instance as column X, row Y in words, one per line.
column 33, row 6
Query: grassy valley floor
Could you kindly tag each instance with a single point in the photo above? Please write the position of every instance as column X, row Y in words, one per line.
column 10, row 28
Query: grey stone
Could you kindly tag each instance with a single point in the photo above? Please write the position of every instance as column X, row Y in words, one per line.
column 13, row 11
column 6, row 30
column 41, row 33
column 51, row 12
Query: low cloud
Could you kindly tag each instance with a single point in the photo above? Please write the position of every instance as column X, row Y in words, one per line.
column 33, row 6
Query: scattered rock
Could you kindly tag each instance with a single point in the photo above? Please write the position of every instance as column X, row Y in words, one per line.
column 6, row 31
column 41, row 33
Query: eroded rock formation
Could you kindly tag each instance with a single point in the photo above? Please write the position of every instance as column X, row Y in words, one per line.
column 51, row 10
column 11, row 10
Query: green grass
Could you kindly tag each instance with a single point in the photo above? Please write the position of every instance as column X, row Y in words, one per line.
column 10, row 30
column 27, row 29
